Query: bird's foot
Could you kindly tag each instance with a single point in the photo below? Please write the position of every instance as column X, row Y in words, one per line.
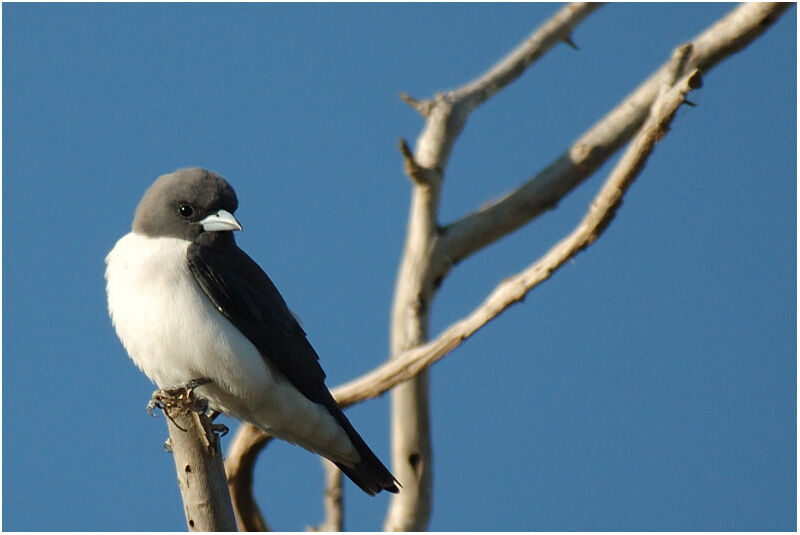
column 219, row 429
column 181, row 396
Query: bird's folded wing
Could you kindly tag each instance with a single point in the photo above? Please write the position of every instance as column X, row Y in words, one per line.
column 246, row 296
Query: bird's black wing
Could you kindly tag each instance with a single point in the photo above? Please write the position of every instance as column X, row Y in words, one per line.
column 246, row 296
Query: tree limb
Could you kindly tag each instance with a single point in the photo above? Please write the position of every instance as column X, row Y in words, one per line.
column 557, row 29
column 242, row 455
column 514, row 289
column 541, row 193
column 333, row 500
column 198, row 460
column 475, row 231
column 416, row 282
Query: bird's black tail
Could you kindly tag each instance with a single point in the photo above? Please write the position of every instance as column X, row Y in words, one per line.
column 369, row 473
column 370, row 477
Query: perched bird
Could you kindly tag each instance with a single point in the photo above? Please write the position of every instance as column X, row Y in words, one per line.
column 188, row 304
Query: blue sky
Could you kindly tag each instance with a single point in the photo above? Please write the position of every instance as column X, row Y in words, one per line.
column 649, row 385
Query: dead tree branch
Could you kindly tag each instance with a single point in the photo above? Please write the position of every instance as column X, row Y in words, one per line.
column 475, row 231
column 514, row 289
column 431, row 250
column 198, row 460
column 416, row 284
column 241, row 461
column 333, row 499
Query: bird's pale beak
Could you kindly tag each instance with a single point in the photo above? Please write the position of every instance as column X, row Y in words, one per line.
column 219, row 221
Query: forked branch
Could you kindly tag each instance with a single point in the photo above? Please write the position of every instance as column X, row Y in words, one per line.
column 475, row 231
column 445, row 118
column 515, row 288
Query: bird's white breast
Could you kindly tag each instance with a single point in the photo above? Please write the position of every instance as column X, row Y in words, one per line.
column 173, row 332
column 159, row 312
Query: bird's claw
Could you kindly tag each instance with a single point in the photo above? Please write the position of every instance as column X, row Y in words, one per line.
column 220, row 429
column 152, row 405
column 180, row 396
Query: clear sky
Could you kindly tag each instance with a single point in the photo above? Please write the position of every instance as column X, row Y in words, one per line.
column 649, row 385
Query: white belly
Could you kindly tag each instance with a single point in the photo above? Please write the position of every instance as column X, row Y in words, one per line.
column 174, row 334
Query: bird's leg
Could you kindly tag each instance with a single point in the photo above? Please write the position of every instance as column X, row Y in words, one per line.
column 181, row 396
column 220, row 429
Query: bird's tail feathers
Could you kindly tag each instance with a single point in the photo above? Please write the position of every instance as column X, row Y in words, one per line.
column 371, row 477
column 368, row 473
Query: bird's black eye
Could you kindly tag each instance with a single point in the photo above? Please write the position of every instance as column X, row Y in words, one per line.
column 185, row 210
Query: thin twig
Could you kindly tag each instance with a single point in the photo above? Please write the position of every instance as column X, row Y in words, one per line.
column 417, row 173
column 422, row 106
column 556, row 30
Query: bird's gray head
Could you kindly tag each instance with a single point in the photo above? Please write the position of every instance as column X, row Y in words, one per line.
column 186, row 203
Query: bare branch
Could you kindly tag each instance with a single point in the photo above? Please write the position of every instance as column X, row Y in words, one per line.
column 417, row 173
column 242, row 455
column 334, row 506
column 421, row 268
column 514, row 289
column 675, row 66
column 557, row 29
column 198, row 460
column 447, row 112
column 416, row 282
column 479, row 229
column 570, row 43
column 422, row 106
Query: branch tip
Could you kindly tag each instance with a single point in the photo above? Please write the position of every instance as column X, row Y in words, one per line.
column 420, row 175
column 695, row 80
column 422, row 106
column 568, row 40
column 678, row 62
column 402, row 144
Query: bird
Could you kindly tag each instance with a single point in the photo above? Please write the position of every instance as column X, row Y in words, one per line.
column 188, row 305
